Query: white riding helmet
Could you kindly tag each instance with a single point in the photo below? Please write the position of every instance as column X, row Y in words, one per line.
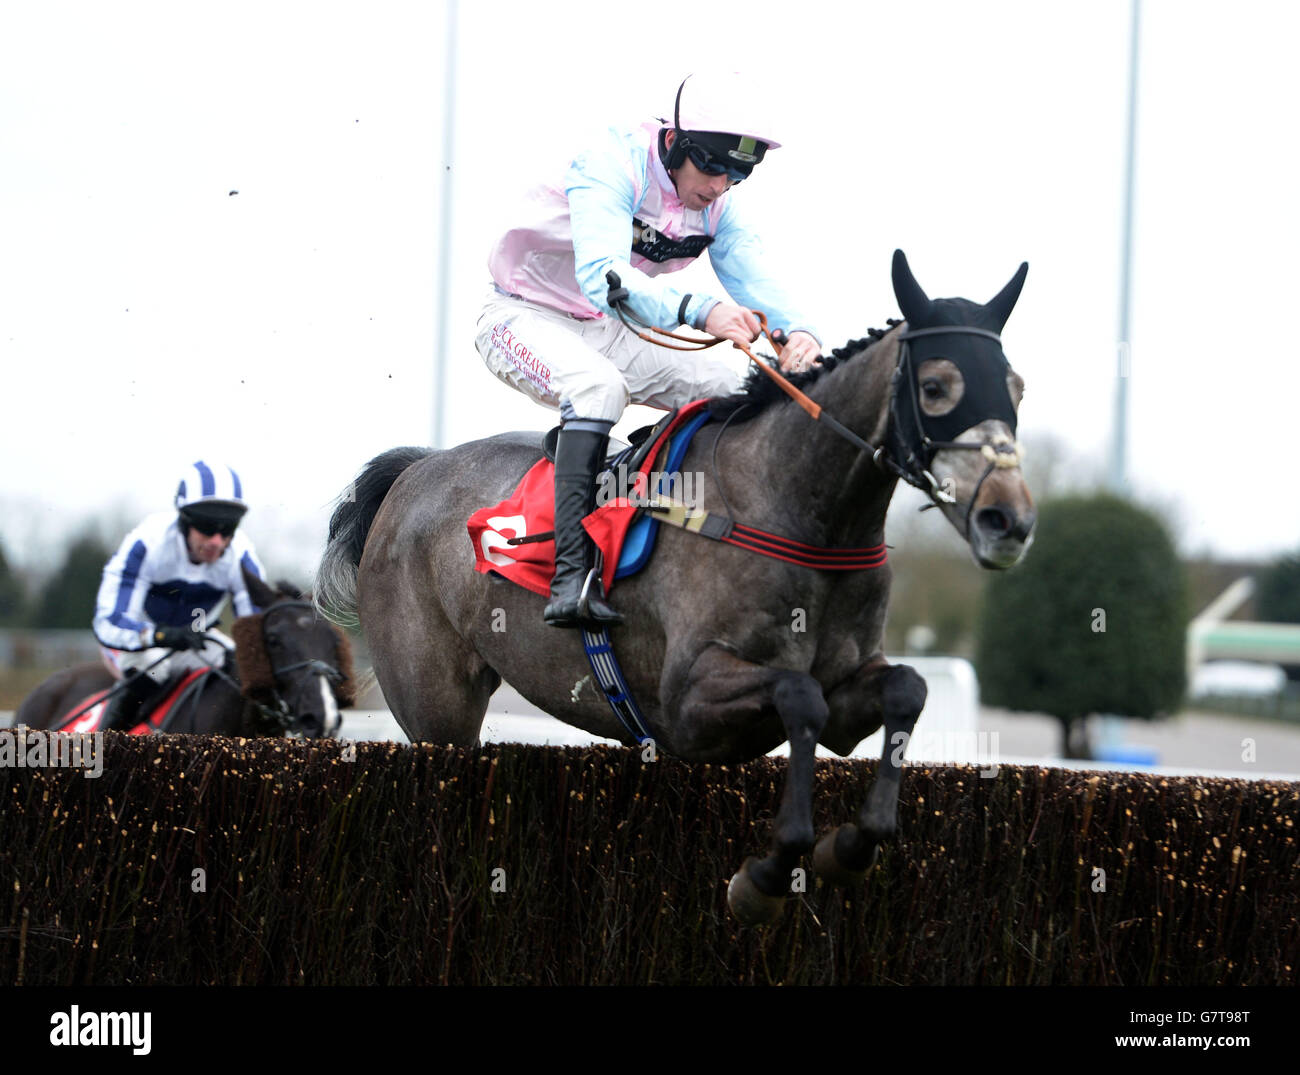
column 725, row 103
column 204, row 483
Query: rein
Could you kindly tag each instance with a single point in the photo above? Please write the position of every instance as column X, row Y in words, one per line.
column 280, row 716
column 1000, row 452
column 617, row 299
column 112, row 692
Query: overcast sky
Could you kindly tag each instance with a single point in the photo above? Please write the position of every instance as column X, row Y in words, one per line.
column 150, row 315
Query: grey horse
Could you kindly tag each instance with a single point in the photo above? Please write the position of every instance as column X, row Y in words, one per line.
column 728, row 652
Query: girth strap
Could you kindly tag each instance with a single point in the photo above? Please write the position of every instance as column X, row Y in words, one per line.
column 720, row 528
column 609, row 675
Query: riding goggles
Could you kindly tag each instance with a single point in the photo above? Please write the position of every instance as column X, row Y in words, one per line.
column 707, row 163
column 211, row 520
column 211, row 529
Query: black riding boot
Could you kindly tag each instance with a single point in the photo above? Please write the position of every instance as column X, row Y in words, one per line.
column 579, row 455
column 131, row 702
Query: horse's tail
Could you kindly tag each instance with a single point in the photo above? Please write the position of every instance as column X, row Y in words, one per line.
column 335, row 592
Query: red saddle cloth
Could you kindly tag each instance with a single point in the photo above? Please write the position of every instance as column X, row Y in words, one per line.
column 530, row 509
column 91, row 709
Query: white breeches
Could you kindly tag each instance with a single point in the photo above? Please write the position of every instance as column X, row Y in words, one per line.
column 175, row 662
column 593, row 369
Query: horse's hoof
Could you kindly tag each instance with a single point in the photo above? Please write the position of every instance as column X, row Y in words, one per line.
column 828, row 865
column 750, row 905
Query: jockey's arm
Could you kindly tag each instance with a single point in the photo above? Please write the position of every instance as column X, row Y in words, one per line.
column 601, row 208
column 746, row 272
column 120, row 621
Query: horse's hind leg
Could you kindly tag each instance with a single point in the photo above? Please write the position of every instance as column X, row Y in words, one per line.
column 435, row 683
column 895, row 695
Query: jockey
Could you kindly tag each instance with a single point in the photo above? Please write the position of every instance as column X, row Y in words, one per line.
column 642, row 203
column 167, row 581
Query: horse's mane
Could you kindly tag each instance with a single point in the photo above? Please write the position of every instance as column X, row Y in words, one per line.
column 759, row 391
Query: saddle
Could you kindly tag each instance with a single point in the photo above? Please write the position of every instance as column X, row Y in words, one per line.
column 515, row 538
column 86, row 715
column 633, row 454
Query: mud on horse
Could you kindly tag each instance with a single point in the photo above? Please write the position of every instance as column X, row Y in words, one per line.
column 708, row 647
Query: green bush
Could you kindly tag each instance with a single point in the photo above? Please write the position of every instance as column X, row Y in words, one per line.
column 1094, row 620
column 13, row 600
column 1278, row 590
column 68, row 599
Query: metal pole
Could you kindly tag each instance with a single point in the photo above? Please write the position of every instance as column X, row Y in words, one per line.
column 443, row 305
column 1119, row 451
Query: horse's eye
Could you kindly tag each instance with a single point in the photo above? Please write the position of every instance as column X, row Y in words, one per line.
column 932, row 387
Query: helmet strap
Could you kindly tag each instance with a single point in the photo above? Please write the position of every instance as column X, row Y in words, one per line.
column 675, row 157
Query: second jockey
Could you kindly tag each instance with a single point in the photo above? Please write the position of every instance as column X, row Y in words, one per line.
column 642, row 203
column 168, row 580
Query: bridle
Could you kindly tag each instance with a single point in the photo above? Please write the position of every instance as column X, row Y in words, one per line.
column 1000, row 451
column 916, row 458
column 278, row 713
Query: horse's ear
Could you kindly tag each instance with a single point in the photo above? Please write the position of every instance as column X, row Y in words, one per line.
column 999, row 307
column 261, row 594
column 911, row 299
column 287, row 589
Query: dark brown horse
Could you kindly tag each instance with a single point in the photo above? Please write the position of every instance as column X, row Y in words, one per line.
column 291, row 673
column 729, row 653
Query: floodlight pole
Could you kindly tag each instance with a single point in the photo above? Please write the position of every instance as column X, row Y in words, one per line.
column 443, row 305
column 1119, row 448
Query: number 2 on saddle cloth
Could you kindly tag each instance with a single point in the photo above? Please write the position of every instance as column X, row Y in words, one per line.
column 514, row 539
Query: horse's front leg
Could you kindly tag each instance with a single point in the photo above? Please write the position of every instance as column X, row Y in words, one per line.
column 730, row 705
column 758, row 890
column 880, row 693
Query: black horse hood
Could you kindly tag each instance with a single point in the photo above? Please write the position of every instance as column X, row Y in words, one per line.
column 978, row 357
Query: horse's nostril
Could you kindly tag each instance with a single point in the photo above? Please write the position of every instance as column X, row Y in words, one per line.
column 995, row 522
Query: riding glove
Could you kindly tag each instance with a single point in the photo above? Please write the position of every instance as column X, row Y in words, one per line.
column 177, row 638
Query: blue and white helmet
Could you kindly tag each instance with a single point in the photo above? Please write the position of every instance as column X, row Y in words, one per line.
column 208, row 483
column 211, row 496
